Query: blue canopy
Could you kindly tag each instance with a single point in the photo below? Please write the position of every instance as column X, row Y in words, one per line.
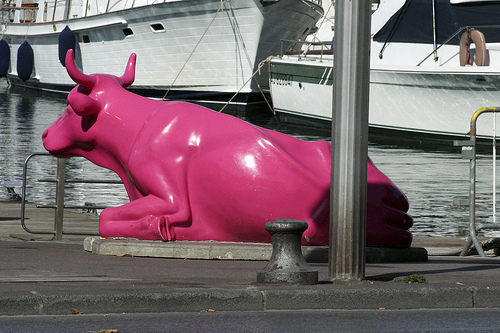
column 413, row 23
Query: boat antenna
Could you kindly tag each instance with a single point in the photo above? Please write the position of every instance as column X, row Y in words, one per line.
column 402, row 12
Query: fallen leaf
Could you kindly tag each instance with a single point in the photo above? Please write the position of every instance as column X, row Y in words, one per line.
column 75, row 311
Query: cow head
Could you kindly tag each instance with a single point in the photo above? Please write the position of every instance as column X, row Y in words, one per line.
column 74, row 132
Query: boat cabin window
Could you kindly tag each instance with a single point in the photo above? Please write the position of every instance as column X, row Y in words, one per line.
column 157, row 27
column 86, row 39
column 128, row 32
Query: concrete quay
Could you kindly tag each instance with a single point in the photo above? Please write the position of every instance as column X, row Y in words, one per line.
column 87, row 274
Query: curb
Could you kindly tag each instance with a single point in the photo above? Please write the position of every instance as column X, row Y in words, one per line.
column 258, row 299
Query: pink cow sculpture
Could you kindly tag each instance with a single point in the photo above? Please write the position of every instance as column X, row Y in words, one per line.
column 195, row 174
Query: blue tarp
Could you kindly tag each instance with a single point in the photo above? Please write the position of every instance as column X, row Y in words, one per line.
column 413, row 23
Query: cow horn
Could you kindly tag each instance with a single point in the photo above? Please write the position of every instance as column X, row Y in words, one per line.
column 86, row 81
column 129, row 76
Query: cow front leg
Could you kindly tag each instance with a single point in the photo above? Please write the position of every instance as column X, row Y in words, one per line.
column 149, row 218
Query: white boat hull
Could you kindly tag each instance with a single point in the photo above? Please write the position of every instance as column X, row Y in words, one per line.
column 411, row 103
column 418, row 89
column 185, row 46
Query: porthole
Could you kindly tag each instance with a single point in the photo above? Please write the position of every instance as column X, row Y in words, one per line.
column 128, row 32
column 157, row 27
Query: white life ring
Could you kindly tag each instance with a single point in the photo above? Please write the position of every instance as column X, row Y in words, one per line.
column 481, row 55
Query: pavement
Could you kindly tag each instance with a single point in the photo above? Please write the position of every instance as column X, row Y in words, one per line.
column 87, row 274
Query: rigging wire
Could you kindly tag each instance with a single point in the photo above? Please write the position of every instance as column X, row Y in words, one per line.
column 236, row 28
column 240, row 38
column 196, row 46
column 261, row 64
column 324, row 17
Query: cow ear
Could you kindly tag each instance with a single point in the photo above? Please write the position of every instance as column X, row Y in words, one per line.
column 129, row 76
column 83, row 105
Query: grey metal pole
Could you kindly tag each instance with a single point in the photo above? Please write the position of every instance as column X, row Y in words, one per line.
column 59, row 213
column 472, row 201
column 350, row 140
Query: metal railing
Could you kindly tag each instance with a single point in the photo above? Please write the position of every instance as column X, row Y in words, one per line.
column 469, row 152
column 27, row 13
column 453, row 36
column 59, row 205
column 302, row 49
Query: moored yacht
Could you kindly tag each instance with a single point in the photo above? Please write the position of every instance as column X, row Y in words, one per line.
column 433, row 64
column 192, row 49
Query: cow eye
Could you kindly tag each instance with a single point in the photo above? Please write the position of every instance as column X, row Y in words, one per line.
column 88, row 121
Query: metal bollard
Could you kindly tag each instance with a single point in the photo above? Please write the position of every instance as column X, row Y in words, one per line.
column 287, row 265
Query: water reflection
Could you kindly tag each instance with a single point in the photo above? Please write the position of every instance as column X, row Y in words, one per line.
column 432, row 179
column 25, row 113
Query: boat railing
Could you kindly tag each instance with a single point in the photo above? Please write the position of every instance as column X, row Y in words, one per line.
column 54, row 10
column 462, row 29
column 60, row 181
column 306, row 49
column 27, row 13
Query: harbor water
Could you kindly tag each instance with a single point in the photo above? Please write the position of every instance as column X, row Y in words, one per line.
column 436, row 181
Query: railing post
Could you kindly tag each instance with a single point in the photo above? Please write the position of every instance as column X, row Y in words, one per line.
column 61, row 182
column 469, row 152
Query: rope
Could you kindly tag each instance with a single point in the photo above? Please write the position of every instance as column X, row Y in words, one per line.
column 27, row 30
column 261, row 64
column 196, row 46
column 237, row 30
